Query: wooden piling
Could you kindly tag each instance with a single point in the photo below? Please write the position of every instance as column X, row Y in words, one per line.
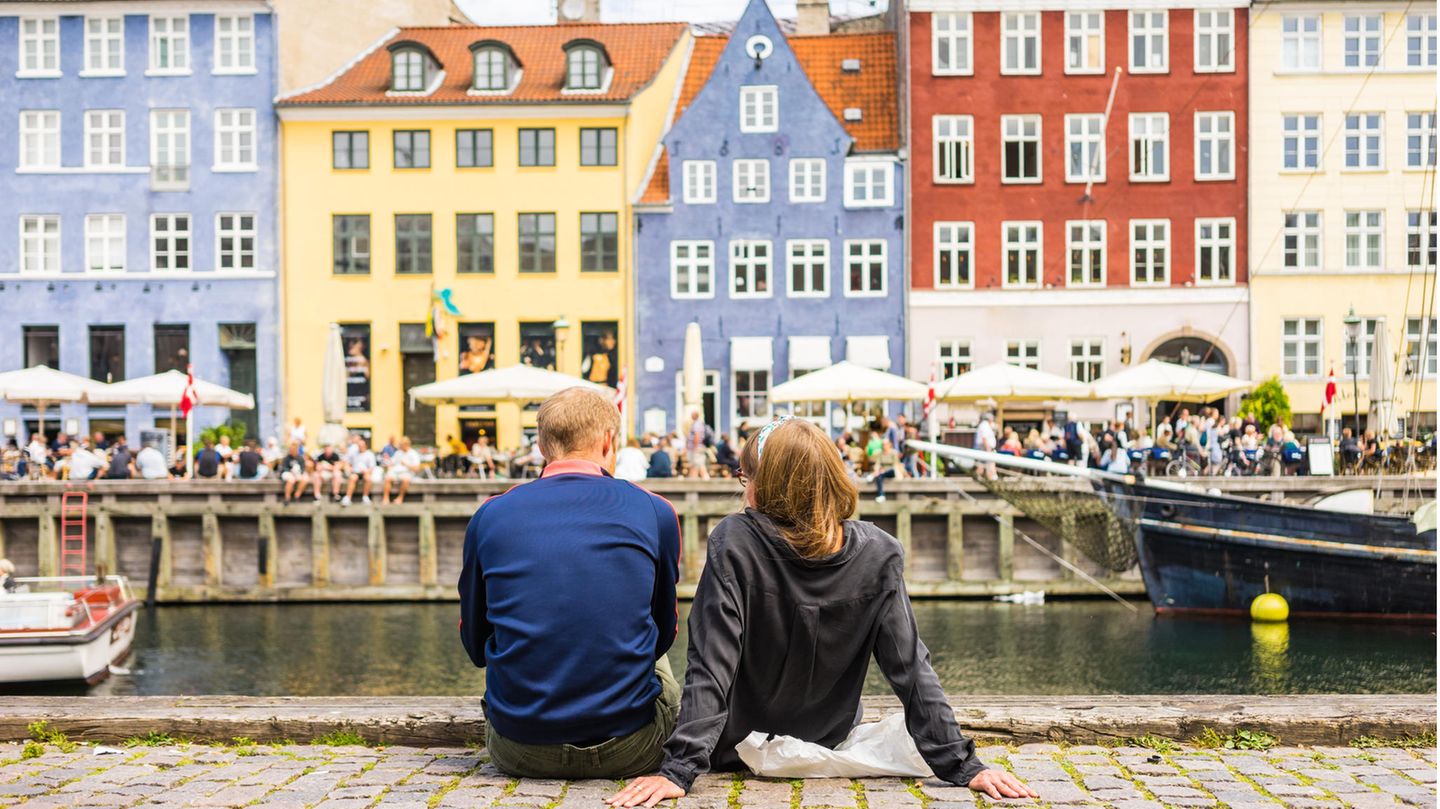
column 266, row 530
column 1007, row 547
column 212, row 549
column 955, row 546
column 160, row 529
column 319, row 549
column 429, row 551
column 902, row 533
column 106, row 560
column 48, row 546
column 375, row 539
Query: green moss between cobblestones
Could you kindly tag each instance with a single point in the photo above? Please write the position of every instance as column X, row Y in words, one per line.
column 914, row 789
column 1150, row 741
column 861, row 801
column 1404, row 742
column 445, row 789
column 344, row 737
column 732, row 798
column 44, row 734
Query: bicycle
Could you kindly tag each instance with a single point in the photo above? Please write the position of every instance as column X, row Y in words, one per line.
column 1183, row 465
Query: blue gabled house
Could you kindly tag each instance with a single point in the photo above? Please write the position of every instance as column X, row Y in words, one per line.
column 774, row 218
column 139, row 192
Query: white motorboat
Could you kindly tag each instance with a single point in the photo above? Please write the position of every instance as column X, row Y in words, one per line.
column 64, row 628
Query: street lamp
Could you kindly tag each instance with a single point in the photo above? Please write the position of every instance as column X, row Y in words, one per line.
column 562, row 328
column 1352, row 335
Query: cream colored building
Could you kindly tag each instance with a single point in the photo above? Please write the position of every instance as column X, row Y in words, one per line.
column 1342, row 199
column 319, row 37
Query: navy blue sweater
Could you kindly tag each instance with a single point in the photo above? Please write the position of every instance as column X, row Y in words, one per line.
column 567, row 599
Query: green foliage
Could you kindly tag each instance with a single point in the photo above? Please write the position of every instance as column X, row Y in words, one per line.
column 1207, row 739
column 344, row 737
column 44, row 734
column 33, row 749
column 1269, row 402
column 1241, row 739
column 234, row 429
column 1159, row 744
column 1424, row 740
column 151, row 739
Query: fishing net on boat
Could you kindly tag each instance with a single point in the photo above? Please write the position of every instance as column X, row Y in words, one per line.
column 1074, row 512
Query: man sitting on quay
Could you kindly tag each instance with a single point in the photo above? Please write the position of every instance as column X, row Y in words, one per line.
column 567, row 599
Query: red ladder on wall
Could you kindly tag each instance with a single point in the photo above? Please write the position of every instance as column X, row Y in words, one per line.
column 73, row 538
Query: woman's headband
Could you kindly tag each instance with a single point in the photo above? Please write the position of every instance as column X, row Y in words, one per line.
column 765, row 434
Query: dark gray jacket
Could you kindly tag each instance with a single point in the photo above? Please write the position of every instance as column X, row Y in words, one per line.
column 781, row 644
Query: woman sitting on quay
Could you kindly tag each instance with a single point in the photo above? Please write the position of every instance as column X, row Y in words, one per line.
column 793, row 603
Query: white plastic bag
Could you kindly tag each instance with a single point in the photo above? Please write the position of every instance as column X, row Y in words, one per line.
column 872, row 750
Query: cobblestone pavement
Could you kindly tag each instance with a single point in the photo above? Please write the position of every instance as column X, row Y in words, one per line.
column 315, row 777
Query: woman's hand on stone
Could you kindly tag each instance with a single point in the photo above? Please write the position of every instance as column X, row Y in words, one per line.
column 1001, row 784
column 647, row 790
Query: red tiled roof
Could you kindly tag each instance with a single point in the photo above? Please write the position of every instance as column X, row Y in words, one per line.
column 637, row 51
column 872, row 89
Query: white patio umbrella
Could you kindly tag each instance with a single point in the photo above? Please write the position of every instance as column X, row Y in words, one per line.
column 332, row 390
column 692, row 374
column 166, row 389
column 1003, row 381
column 1156, row 380
column 518, row 383
column 845, row 381
column 1382, row 409
column 41, row 386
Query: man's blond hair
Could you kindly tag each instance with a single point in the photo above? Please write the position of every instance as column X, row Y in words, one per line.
column 575, row 419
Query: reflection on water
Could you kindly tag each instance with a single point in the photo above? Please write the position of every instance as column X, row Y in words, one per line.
column 1076, row 647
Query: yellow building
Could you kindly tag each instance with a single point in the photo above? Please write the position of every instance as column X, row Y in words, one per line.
column 1342, row 200
column 496, row 163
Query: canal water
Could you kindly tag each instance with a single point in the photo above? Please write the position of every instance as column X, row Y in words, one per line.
column 1070, row 647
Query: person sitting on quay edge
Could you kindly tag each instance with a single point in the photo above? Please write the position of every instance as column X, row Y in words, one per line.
column 363, row 468
column 661, row 466
column 150, row 464
column 293, row 472
column 845, row 579
column 122, row 460
column 329, row 466
column 630, row 461
column 249, row 463
column 208, row 462
column 404, row 465
column 577, row 684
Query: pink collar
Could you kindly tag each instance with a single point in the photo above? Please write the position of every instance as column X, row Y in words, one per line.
column 573, row 467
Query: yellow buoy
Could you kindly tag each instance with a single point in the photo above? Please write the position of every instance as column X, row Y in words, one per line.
column 1269, row 607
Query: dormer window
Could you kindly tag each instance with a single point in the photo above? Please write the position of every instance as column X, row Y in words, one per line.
column 495, row 67
column 408, row 70
column 585, row 66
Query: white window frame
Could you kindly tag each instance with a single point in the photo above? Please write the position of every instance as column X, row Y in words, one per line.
column 1420, row 46
column 1087, row 131
column 873, row 267
column 954, row 137
column 956, row 240
column 955, row 352
column 172, row 37
column 39, row 53
column 1146, row 31
column 1420, row 140
column 39, row 141
column 698, row 181
column 807, row 179
column 1217, row 26
column 1084, row 33
column 1302, row 37
column 39, row 243
column 758, row 178
column 1302, row 247
column 104, row 139
column 1304, row 342
column 862, row 175
column 1365, row 240
column 697, row 268
column 1369, row 140
column 241, row 44
column 177, row 146
column 236, row 232
column 1015, row 28
column 1215, row 243
column 744, row 263
column 1023, row 353
column 1421, row 230
column 1153, row 143
column 1091, row 352
column 1037, row 245
column 1216, row 130
column 735, row 418
column 105, row 242
column 104, row 45
column 1367, row 34
column 170, row 251
column 1022, row 125
column 1420, row 331
column 1306, row 137
column 957, row 29
column 1086, row 245
column 760, row 108
column 1149, row 244
column 813, row 252
column 232, row 125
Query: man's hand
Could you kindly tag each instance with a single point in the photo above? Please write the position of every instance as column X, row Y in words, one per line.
column 1001, row 784
column 648, row 790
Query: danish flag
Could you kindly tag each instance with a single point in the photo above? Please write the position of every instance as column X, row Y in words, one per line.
column 188, row 397
column 930, row 395
column 1329, row 389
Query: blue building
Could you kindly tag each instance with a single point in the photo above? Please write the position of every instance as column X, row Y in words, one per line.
column 138, row 188
column 773, row 218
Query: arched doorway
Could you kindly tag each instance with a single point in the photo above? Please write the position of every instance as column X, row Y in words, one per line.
column 1192, row 352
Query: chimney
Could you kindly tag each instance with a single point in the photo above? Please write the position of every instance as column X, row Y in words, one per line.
column 812, row 18
column 574, row 11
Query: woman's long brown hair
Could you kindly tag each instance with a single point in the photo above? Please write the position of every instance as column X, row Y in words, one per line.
column 802, row 485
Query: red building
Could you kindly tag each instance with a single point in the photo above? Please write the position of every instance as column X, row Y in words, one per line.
column 1048, row 233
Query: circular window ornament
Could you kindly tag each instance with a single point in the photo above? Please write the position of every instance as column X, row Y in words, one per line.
column 759, row 47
